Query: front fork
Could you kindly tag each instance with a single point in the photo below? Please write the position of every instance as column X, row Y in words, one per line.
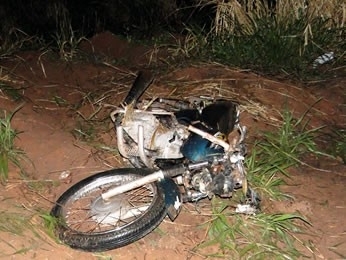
column 173, row 197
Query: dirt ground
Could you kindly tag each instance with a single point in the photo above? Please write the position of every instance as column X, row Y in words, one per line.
column 59, row 98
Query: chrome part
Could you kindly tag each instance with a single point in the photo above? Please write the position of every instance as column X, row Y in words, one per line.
column 141, row 151
column 156, row 176
column 110, row 212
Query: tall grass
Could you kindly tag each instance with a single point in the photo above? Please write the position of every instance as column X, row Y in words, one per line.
column 262, row 236
column 285, row 38
column 266, row 235
column 336, row 143
column 65, row 38
column 233, row 17
column 8, row 151
column 14, row 40
column 275, row 152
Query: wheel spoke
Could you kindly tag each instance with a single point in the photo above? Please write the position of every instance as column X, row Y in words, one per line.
column 87, row 212
column 88, row 222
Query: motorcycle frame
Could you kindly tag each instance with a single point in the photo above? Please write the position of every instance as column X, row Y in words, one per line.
column 162, row 174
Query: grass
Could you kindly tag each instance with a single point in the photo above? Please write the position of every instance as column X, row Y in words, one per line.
column 291, row 140
column 49, row 223
column 14, row 222
column 19, row 222
column 13, row 93
column 276, row 48
column 8, row 151
column 285, row 40
column 266, row 235
column 15, row 40
column 96, row 134
column 85, row 131
column 263, row 236
column 9, row 85
column 264, row 174
column 275, row 152
column 337, row 143
column 92, row 123
column 65, row 38
column 67, row 42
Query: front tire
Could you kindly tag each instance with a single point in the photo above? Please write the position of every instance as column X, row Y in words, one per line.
column 87, row 223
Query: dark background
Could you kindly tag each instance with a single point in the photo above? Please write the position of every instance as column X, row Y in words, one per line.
column 144, row 18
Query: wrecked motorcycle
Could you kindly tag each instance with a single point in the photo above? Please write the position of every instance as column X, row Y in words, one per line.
column 182, row 150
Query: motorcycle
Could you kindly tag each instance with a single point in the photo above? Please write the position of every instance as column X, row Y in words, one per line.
column 181, row 150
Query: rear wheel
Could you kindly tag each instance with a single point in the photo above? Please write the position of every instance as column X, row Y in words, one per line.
column 87, row 222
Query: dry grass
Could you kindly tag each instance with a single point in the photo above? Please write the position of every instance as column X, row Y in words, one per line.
column 230, row 13
column 226, row 84
column 11, row 85
column 7, row 78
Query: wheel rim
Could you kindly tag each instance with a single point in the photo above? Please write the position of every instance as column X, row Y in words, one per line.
column 86, row 212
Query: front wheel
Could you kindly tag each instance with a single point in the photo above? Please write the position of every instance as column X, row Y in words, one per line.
column 87, row 222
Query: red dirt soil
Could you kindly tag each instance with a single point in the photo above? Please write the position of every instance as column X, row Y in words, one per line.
column 48, row 119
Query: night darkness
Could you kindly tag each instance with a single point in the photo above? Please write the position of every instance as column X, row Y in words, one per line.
column 87, row 17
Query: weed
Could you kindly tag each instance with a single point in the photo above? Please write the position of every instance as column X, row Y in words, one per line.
column 23, row 222
column 66, row 39
column 8, row 152
column 337, row 144
column 277, row 151
column 277, row 48
column 14, row 222
column 281, row 39
column 67, row 43
column 7, row 83
column 291, row 140
column 264, row 236
column 264, row 173
column 193, row 44
column 11, row 92
column 59, row 101
column 50, row 224
column 15, row 40
column 41, row 185
column 85, row 131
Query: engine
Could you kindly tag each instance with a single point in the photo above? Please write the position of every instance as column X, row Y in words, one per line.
column 220, row 178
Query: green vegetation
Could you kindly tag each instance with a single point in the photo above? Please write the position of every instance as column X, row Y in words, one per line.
column 50, row 224
column 14, row 222
column 337, row 143
column 262, row 236
column 66, row 40
column 285, row 39
column 276, row 151
column 13, row 93
column 15, row 39
column 8, row 151
column 282, row 38
column 266, row 235
column 19, row 221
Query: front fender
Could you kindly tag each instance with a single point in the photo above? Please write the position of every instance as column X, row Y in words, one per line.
column 173, row 198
